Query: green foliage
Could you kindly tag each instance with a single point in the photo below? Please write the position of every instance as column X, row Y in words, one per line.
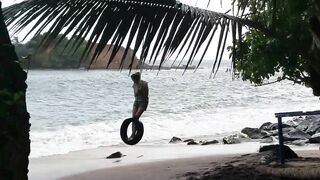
column 282, row 51
column 62, row 56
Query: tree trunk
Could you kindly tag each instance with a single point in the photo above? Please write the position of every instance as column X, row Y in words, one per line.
column 14, row 118
column 315, row 61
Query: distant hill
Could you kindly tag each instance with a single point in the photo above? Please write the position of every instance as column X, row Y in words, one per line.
column 64, row 57
column 103, row 59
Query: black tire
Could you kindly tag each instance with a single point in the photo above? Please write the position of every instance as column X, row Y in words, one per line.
column 124, row 128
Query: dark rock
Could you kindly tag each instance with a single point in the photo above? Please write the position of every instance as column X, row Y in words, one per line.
column 295, row 121
column 236, row 138
column 313, row 118
column 233, row 139
column 192, row 143
column 266, row 140
column 230, row 140
column 313, row 127
column 242, row 136
column 273, row 133
column 284, row 130
column 210, row 142
column 315, row 138
column 300, row 142
column 265, row 126
column 276, row 138
column 287, row 138
column 287, row 129
column 175, row 140
column 254, row 133
column 115, row 155
column 188, row 140
column 303, row 125
column 310, row 125
column 296, row 133
column 272, row 151
column 274, row 126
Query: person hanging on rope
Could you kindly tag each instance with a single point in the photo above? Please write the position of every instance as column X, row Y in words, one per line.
column 141, row 94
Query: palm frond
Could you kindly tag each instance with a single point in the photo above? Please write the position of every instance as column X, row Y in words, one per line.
column 159, row 27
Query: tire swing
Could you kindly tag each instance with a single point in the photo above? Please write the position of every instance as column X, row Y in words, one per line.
column 138, row 134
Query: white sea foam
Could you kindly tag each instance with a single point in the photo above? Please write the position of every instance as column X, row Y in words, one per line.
column 75, row 110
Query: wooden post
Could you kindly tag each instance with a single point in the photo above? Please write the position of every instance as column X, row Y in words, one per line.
column 280, row 135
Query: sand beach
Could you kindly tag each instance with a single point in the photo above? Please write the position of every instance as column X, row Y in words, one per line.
column 171, row 161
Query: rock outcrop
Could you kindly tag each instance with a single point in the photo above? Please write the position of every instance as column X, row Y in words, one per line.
column 254, row 133
column 271, row 153
column 297, row 131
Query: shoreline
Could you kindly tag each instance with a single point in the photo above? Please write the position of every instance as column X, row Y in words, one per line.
column 86, row 161
column 155, row 170
column 185, row 168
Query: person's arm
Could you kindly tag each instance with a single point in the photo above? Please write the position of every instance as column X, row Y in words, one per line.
column 147, row 90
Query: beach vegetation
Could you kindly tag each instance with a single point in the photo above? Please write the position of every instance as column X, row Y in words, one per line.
column 283, row 48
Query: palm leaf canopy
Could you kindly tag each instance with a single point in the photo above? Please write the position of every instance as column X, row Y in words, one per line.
column 157, row 27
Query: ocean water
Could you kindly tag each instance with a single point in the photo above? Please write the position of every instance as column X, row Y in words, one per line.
column 78, row 109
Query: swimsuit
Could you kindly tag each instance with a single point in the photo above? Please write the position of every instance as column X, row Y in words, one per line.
column 141, row 94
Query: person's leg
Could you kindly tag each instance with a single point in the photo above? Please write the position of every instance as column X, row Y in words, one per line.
column 138, row 113
column 134, row 111
column 138, row 109
column 142, row 106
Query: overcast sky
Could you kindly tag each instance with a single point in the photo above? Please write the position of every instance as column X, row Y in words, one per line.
column 215, row 5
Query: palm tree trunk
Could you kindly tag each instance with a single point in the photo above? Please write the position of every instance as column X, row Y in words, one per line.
column 14, row 118
column 315, row 61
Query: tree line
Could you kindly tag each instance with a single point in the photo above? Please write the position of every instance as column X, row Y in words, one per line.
column 32, row 55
